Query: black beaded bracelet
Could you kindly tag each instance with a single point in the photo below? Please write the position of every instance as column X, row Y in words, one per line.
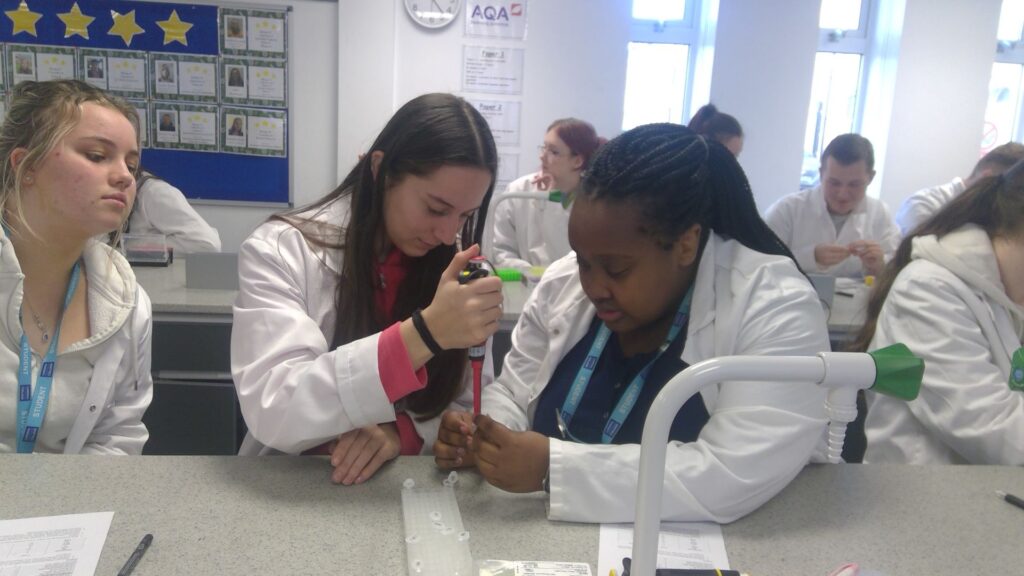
column 425, row 335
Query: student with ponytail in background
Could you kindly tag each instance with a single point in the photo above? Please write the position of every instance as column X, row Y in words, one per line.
column 718, row 126
column 672, row 266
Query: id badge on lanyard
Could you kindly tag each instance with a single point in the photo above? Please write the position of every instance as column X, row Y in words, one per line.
column 32, row 404
column 632, row 393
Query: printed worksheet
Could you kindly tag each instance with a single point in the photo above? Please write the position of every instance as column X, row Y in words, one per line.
column 680, row 545
column 531, row 568
column 69, row 544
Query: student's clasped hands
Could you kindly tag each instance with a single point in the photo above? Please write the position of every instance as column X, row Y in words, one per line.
column 357, row 454
column 870, row 253
column 513, row 461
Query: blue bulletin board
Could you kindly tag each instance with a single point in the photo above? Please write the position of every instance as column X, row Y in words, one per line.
column 210, row 83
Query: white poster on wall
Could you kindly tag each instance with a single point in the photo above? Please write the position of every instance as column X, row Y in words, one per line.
column 508, row 169
column 492, row 69
column 496, row 19
column 502, row 117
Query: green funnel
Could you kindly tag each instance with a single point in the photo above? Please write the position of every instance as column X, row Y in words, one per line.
column 898, row 372
column 508, row 274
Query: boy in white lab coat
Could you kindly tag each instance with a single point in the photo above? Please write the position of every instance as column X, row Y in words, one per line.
column 835, row 228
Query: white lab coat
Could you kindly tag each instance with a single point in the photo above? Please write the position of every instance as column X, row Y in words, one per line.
column 759, row 436
column 921, row 205
column 528, row 232
column 102, row 385
column 295, row 392
column 802, row 221
column 160, row 208
column 948, row 305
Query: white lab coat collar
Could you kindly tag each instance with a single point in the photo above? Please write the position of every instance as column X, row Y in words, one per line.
column 111, row 297
column 967, row 252
column 120, row 387
column 568, row 319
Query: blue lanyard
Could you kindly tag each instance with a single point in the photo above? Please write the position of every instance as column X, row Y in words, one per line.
column 32, row 405
column 629, row 397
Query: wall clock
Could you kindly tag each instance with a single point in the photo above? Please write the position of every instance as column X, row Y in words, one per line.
column 433, row 13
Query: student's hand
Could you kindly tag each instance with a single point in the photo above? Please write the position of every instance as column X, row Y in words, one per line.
column 830, row 254
column 454, row 439
column 871, row 256
column 512, row 461
column 357, row 454
column 464, row 315
column 543, row 181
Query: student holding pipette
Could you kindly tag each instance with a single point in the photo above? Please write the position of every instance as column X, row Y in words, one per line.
column 351, row 327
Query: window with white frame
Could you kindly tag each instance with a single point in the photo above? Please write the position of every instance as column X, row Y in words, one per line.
column 838, row 82
column 1003, row 120
column 661, row 61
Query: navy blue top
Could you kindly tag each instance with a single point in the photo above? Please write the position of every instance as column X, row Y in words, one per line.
column 612, row 376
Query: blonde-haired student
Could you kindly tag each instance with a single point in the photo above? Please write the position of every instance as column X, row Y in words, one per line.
column 76, row 326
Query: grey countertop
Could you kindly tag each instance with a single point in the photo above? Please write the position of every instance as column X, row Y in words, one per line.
column 166, row 288
column 172, row 300
column 281, row 515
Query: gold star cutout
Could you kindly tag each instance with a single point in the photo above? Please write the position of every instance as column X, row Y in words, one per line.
column 24, row 19
column 125, row 26
column 76, row 23
column 174, row 29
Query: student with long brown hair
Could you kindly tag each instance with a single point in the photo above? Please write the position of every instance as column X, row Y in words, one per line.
column 954, row 294
column 350, row 326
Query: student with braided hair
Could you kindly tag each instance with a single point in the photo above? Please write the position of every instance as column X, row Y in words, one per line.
column 672, row 266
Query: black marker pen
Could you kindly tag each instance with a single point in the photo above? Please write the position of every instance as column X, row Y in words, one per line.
column 136, row 556
column 1015, row 500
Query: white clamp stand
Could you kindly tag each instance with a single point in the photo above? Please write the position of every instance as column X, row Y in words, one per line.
column 844, row 373
column 553, row 196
